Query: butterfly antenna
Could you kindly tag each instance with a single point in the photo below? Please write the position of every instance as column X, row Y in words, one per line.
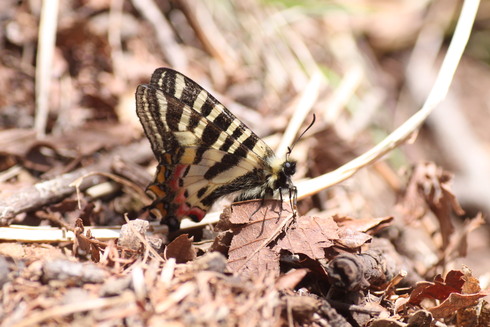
column 290, row 149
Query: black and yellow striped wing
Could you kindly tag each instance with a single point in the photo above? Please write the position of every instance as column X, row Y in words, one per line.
column 204, row 152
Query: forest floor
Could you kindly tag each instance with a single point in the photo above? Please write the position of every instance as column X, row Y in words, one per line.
column 403, row 242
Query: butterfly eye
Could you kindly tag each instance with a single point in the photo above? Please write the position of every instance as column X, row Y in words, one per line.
column 289, row 168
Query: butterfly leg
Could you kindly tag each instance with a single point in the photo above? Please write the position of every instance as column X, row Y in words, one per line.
column 293, row 198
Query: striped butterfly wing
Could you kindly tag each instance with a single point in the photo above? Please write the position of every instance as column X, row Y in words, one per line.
column 204, row 151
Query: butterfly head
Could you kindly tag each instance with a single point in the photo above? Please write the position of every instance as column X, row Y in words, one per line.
column 289, row 168
column 282, row 171
column 283, row 181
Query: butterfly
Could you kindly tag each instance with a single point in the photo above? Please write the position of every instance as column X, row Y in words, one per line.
column 203, row 151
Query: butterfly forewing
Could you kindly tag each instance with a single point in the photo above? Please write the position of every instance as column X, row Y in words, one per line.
column 204, row 151
column 192, row 94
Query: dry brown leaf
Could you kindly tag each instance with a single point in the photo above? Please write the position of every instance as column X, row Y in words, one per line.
column 366, row 225
column 352, row 239
column 263, row 260
column 451, row 291
column 429, row 187
column 85, row 245
column 309, row 236
column 181, row 249
column 261, row 234
column 455, row 302
column 439, row 289
column 253, row 230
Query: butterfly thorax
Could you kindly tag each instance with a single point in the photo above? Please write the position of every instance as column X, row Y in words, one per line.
column 274, row 182
column 281, row 172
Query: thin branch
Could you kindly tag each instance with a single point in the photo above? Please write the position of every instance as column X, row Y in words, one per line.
column 50, row 191
column 44, row 60
column 303, row 107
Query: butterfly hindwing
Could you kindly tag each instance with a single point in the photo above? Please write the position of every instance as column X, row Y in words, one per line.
column 204, row 151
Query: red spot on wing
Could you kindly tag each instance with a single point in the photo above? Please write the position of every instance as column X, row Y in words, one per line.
column 180, row 199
